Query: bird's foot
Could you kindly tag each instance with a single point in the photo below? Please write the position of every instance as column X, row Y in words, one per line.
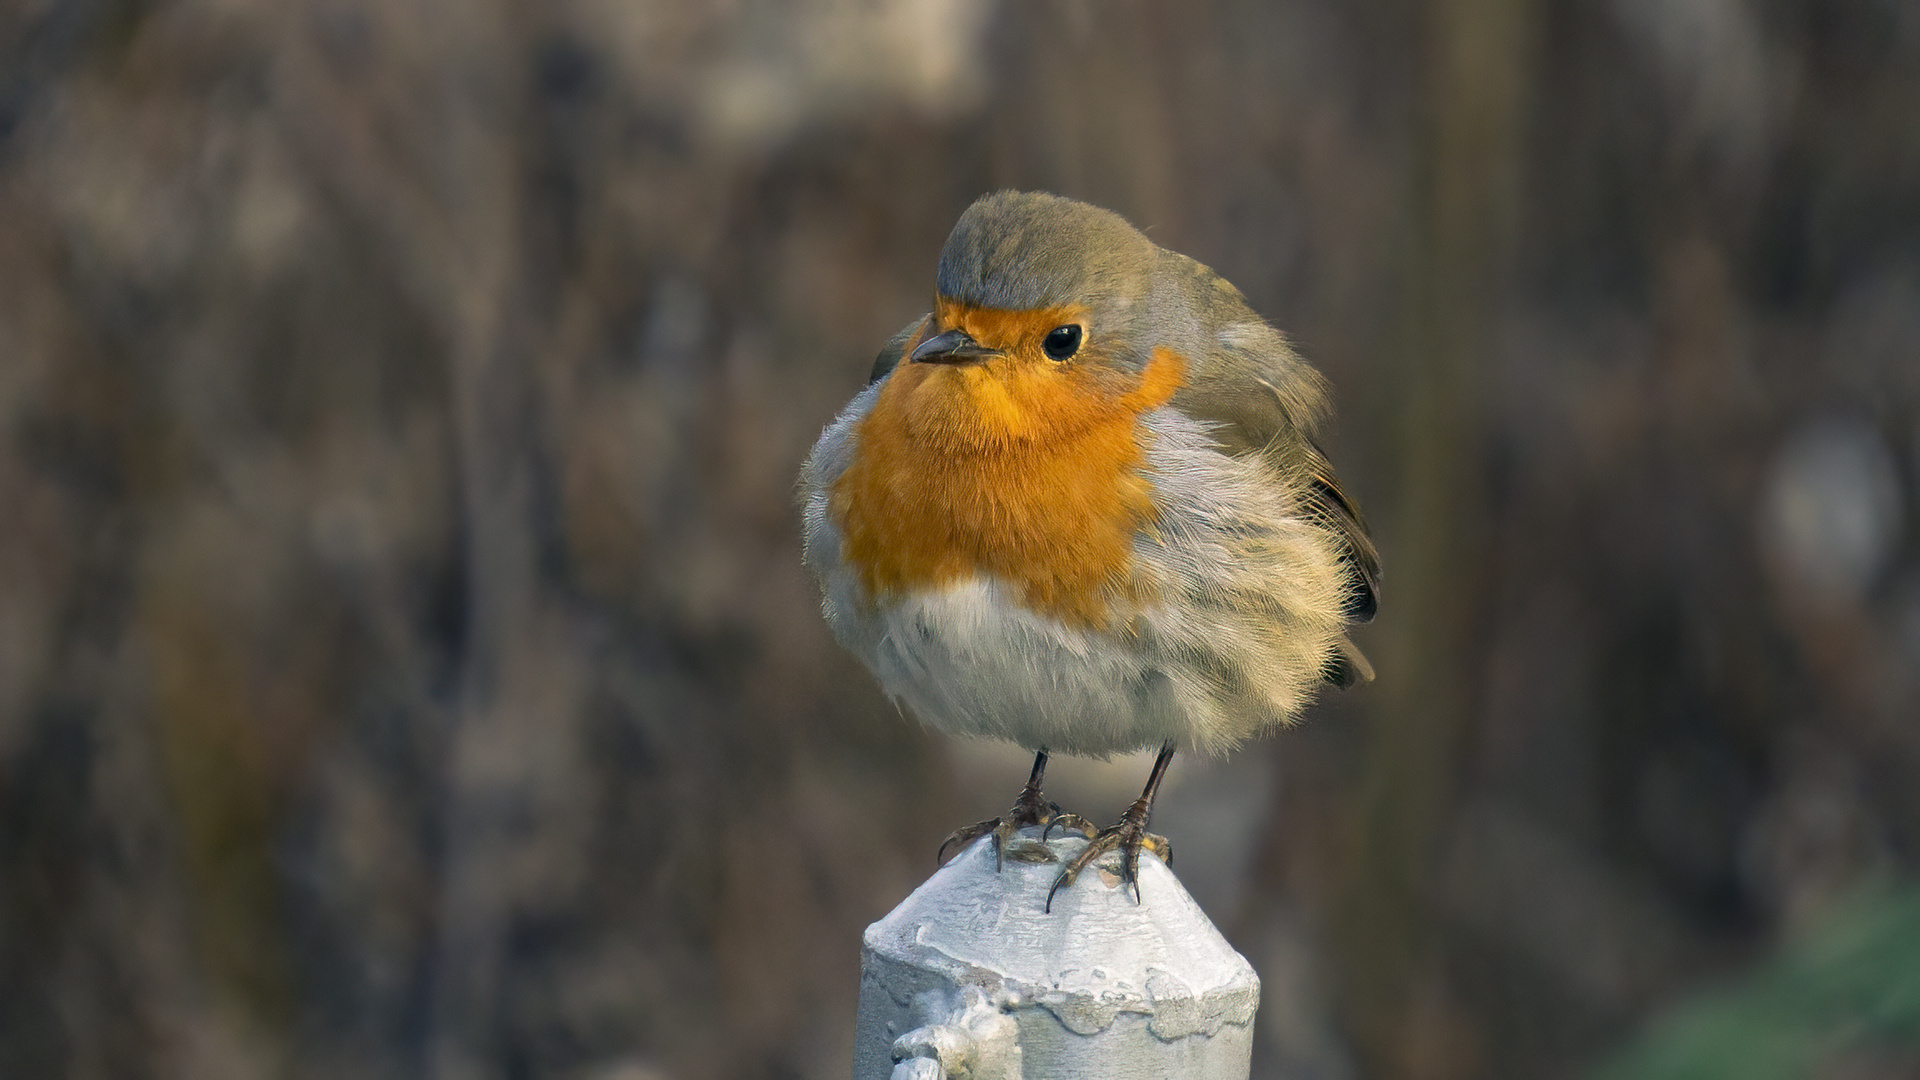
column 1031, row 809
column 1128, row 835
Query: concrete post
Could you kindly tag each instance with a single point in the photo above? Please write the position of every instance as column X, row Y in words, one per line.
column 969, row 977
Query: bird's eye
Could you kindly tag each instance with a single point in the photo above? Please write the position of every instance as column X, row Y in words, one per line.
column 1061, row 342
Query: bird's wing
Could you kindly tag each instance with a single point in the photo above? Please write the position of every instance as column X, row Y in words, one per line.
column 1291, row 446
column 1265, row 399
column 894, row 349
column 1326, row 501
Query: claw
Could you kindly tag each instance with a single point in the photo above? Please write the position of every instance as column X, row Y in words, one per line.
column 967, row 835
column 1003, row 830
column 1128, row 835
column 1068, row 876
column 1065, row 820
column 1031, row 808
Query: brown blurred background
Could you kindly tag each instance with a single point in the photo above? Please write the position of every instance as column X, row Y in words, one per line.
column 406, row 669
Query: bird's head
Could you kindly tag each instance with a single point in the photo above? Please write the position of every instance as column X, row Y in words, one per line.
column 1041, row 324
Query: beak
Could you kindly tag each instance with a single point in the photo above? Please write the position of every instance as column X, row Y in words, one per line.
column 952, row 347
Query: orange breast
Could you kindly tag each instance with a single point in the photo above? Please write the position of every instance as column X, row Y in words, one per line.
column 1019, row 469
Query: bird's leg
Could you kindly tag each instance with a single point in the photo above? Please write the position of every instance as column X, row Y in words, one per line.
column 1129, row 834
column 1031, row 808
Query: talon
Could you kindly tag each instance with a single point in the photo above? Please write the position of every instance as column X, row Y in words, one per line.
column 963, row 837
column 1068, row 821
column 1129, row 835
column 1066, row 878
column 1080, row 825
column 1032, row 808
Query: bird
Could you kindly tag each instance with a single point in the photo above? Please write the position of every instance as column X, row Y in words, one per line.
column 1080, row 507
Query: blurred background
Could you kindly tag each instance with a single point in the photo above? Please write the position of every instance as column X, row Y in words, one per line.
column 406, row 668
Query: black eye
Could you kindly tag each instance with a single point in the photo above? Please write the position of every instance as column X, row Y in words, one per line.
column 1062, row 342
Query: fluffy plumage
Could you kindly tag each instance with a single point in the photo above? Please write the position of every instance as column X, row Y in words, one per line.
column 1139, row 544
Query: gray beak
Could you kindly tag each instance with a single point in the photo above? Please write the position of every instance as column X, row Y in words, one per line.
column 952, row 347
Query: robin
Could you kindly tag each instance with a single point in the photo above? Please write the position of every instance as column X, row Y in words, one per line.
column 1079, row 507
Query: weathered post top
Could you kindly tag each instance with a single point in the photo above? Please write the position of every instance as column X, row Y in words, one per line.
column 970, row 977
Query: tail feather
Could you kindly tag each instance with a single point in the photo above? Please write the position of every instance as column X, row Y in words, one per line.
column 1348, row 665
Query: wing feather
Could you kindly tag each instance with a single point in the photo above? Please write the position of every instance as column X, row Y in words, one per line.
column 1265, row 399
column 894, row 349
